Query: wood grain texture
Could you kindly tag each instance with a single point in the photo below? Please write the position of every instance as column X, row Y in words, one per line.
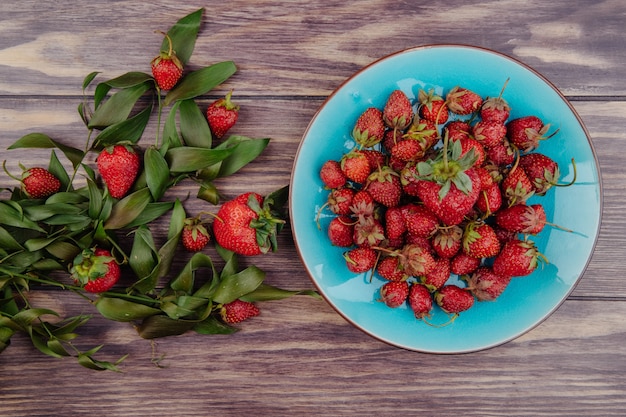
column 300, row 357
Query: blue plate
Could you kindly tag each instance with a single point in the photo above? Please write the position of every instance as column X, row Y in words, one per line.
column 527, row 301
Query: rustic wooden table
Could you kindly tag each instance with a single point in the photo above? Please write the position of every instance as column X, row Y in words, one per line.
column 300, row 357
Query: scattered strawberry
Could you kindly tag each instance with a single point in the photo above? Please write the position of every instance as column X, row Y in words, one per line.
column 341, row 231
column 419, row 220
column 542, row 171
column 118, row 165
column 390, row 269
column 420, row 300
column 96, row 270
column 238, row 311
column 398, row 111
column 439, row 275
column 463, row 101
column 446, row 241
column 486, row 285
column 432, row 107
column 480, row 240
column 453, row 299
column 369, row 128
column 384, row 186
column 463, row 264
column 458, row 129
column 394, row 293
column 39, row 183
column 222, row 114
column 496, row 109
column 356, row 166
column 331, row 174
column 340, row 200
column 516, row 187
column 368, row 232
column 526, row 132
column 489, row 134
column 360, row 260
column 517, row 258
column 194, row 236
column 522, row 218
column 167, row 69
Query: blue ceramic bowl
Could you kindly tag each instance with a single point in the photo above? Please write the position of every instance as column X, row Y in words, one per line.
column 527, row 301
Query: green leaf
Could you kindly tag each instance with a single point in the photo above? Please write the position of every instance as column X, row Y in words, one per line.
column 201, row 81
column 185, row 279
column 127, row 209
column 117, row 309
column 170, row 131
column 7, row 241
column 40, row 140
column 238, row 285
column 183, row 35
column 89, row 78
column 161, row 326
column 11, row 217
column 191, row 159
column 212, row 325
column 157, row 173
column 185, row 306
column 208, row 192
column 58, row 170
column 130, row 79
column 143, row 255
column 96, row 200
column 152, row 212
column 117, row 108
column 44, row 211
column 267, row 292
column 129, row 130
column 247, row 151
column 25, row 317
column 193, row 125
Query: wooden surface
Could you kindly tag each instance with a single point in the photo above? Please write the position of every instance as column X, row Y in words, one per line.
column 300, row 357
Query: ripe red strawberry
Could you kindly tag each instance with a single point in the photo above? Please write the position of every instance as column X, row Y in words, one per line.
column 394, row 293
column 419, row 220
column 463, row 264
column 398, row 111
column 420, row 300
column 355, row 166
column 384, row 186
column 432, row 107
column 363, row 206
column 424, row 131
column 446, row 241
column 522, row 218
column 341, row 231
column 489, row 134
column 390, row 269
column 458, row 129
column 39, row 183
column 542, row 171
column 331, row 174
column 502, row 154
column 368, row 232
column 369, row 128
column 409, row 178
column 471, row 144
column 408, row 150
column 496, row 109
column 194, row 236
column 463, row 101
column 222, row 114
column 340, row 200
column 526, row 132
column 248, row 224
column 415, row 260
column 480, row 240
column 167, row 68
column 118, row 165
column 490, row 200
column 440, row 274
column 517, row 258
column 395, row 228
column 486, row 285
column 238, row 311
column 453, row 299
column 375, row 157
column 96, row 270
column 360, row 260
column 516, row 187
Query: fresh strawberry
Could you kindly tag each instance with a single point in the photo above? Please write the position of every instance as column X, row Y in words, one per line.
column 486, row 285
column 375, row 157
column 398, row 111
column 502, row 154
column 432, row 107
column 363, row 206
column 463, row 264
column 355, row 166
column 516, row 186
column 390, row 269
column 118, row 165
column 238, row 311
column 368, row 232
column 420, row 300
column 542, row 171
column 369, row 128
column 222, row 114
column 490, row 200
column 440, row 274
column 394, row 293
column 96, row 270
column 395, row 227
column 248, row 224
column 458, row 129
column 340, row 200
column 480, row 240
column 517, row 258
column 360, row 260
column 384, row 186
column 39, row 183
column 489, row 134
column 522, row 218
column 424, row 131
column 472, row 144
column 409, row 178
column 415, row 260
column 407, row 150
column 331, row 174
column 446, row 241
column 341, row 231
column 167, row 68
column 453, row 299
column 526, row 132
column 419, row 220
column 463, row 101
column 194, row 236
column 496, row 109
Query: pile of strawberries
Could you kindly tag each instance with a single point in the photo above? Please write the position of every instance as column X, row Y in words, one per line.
column 439, row 188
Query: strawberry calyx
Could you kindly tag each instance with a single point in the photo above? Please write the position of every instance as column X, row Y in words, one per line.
column 90, row 266
column 268, row 221
column 169, row 55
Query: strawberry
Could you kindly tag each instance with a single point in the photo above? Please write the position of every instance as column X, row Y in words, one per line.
column 248, row 224
column 222, row 114
column 420, row 300
column 419, row 220
column 355, row 166
column 341, row 231
column 480, row 240
column 384, row 186
column 415, row 260
column 360, row 260
column 398, row 112
column 395, row 227
column 167, row 68
column 453, row 299
column 408, row 150
column 463, row 101
column 96, row 270
column 463, row 264
column 516, row 187
column 526, row 132
column 118, row 165
column 39, row 183
column 368, row 231
column 436, row 278
column 446, row 241
column 502, row 154
column 488, row 133
column 340, row 200
column 389, row 268
column 485, row 284
column 375, row 157
column 490, row 200
column 394, row 293
column 542, row 171
column 424, row 131
column 238, row 311
column 369, row 128
column 472, row 144
column 517, row 258
column 409, row 178
column 432, row 107
column 496, row 109
column 363, row 206
column 522, row 218
column 194, row 236
column 458, row 129
column 331, row 174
